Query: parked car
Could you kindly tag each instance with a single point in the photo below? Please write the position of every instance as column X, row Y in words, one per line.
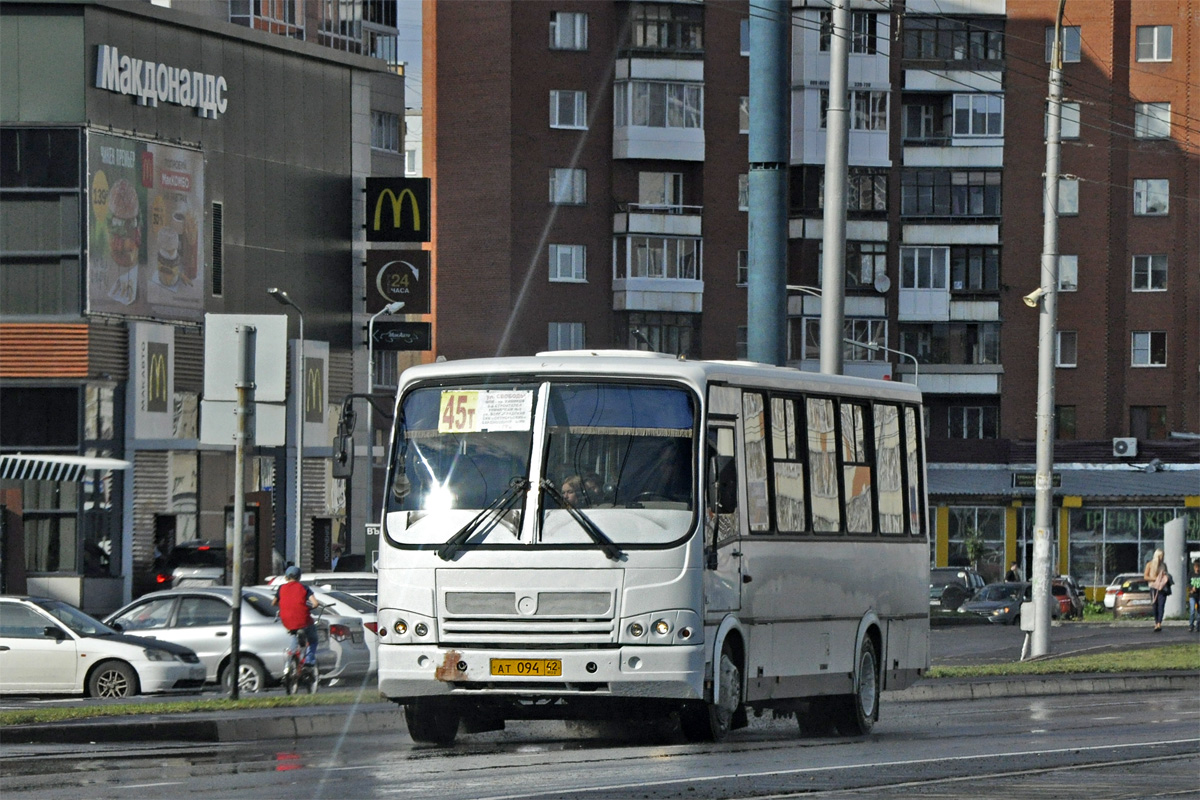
column 950, row 587
column 1070, row 599
column 1132, row 598
column 199, row 618
column 1001, row 602
column 1110, row 594
column 51, row 647
column 362, row 584
column 199, row 562
column 345, row 604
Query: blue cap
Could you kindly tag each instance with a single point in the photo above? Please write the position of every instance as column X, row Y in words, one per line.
column 292, row 572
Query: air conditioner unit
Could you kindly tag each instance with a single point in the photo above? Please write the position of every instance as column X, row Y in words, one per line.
column 1125, row 447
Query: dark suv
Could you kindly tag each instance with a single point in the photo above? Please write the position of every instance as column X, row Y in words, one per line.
column 950, row 587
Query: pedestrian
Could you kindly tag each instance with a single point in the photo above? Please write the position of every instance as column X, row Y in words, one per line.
column 1194, row 598
column 1160, row 586
column 295, row 602
column 1014, row 574
column 336, row 555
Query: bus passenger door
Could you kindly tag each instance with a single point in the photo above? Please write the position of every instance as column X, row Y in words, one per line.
column 722, row 546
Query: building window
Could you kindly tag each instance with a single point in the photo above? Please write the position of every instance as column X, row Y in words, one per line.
column 218, row 249
column 670, row 27
column 924, row 267
column 340, row 25
column 743, row 342
column 1149, row 348
column 978, row 115
column 744, row 37
column 1148, row 422
column 285, row 17
column 961, row 343
column 743, row 114
column 862, row 32
column 385, row 131
column 568, row 30
column 926, row 119
column 1066, row 349
column 804, row 338
column 1154, row 43
column 1071, row 43
column 1068, row 273
column 973, row 422
column 568, row 187
column 1152, row 120
column 868, row 110
column 986, row 525
column 1151, row 196
column 947, row 39
column 677, row 334
column 565, row 336
column 866, row 189
column 658, row 257
column 743, row 267
column 950, row 193
column 568, row 109
column 1064, row 422
column 1150, row 273
column 660, row 191
column 975, row 268
column 743, row 198
column 866, row 262
column 658, row 104
column 1068, row 196
column 411, row 167
column 568, row 263
column 386, row 372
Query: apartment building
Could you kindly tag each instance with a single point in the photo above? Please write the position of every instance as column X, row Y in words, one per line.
column 590, row 159
column 160, row 164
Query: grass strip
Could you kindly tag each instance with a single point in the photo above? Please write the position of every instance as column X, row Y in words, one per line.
column 1150, row 659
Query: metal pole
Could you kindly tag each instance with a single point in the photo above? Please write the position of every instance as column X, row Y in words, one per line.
column 1047, row 325
column 244, row 437
column 766, row 334
column 302, row 410
column 886, row 349
column 837, row 132
column 390, row 308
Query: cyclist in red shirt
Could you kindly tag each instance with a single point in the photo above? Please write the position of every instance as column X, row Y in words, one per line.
column 295, row 600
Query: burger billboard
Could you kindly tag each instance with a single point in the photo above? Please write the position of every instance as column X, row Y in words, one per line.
column 145, row 252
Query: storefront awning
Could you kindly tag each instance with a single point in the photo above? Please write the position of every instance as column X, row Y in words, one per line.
column 54, row 468
column 950, row 480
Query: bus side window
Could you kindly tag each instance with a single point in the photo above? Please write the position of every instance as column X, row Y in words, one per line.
column 722, row 490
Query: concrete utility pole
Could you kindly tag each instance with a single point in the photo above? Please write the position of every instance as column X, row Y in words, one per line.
column 1047, row 295
column 243, row 439
column 766, row 334
column 837, row 134
column 295, row 547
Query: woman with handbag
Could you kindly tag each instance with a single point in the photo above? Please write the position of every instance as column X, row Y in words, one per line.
column 1160, row 586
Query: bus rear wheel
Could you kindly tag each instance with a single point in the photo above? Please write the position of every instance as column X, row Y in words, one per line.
column 432, row 721
column 710, row 722
column 855, row 714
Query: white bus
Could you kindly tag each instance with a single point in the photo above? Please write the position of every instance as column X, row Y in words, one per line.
column 614, row 534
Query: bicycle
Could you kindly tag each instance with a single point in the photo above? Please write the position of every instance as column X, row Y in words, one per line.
column 297, row 675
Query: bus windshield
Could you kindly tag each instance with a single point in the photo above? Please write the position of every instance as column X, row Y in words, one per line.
column 621, row 454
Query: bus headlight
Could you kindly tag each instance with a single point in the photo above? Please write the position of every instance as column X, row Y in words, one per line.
column 401, row 628
column 636, row 630
column 662, row 627
column 420, row 629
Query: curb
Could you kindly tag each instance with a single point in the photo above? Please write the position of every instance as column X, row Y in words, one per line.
column 1034, row 686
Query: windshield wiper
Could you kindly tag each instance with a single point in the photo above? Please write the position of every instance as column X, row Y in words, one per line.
column 606, row 544
column 487, row 518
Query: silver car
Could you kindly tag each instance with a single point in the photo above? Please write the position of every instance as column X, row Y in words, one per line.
column 199, row 618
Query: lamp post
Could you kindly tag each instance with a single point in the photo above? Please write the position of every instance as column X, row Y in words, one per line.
column 876, row 347
column 390, row 308
column 301, row 409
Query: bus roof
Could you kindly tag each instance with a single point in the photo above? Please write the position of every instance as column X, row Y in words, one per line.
column 643, row 364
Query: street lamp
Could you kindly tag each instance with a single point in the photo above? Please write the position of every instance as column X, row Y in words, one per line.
column 301, row 408
column 876, row 347
column 390, row 308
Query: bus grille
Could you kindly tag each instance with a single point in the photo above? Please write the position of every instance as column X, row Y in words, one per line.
column 548, row 618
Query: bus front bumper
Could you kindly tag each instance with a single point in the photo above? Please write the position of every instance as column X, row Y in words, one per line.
column 666, row 673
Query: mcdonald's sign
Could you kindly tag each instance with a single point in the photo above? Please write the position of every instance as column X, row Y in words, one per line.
column 398, row 210
column 314, row 389
column 158, row 388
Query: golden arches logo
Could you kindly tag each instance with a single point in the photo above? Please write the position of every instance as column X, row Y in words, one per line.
column 157, row 389
column 398, row 208
column 314, row 390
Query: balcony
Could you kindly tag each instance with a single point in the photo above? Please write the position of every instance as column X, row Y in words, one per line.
column 660, row 220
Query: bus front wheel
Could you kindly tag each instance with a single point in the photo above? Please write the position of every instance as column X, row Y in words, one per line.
column 855, row 714
column 710, row 722
column 431, row 721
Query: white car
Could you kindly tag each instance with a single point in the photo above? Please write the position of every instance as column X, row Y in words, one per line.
column 362, row 584
column 345, row 604
column 1110, row 594
column 50, row 647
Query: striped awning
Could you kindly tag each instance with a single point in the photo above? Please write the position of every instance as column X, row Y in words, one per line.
column 54, row 468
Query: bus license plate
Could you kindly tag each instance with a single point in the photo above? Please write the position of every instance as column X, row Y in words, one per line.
column 537, row 667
